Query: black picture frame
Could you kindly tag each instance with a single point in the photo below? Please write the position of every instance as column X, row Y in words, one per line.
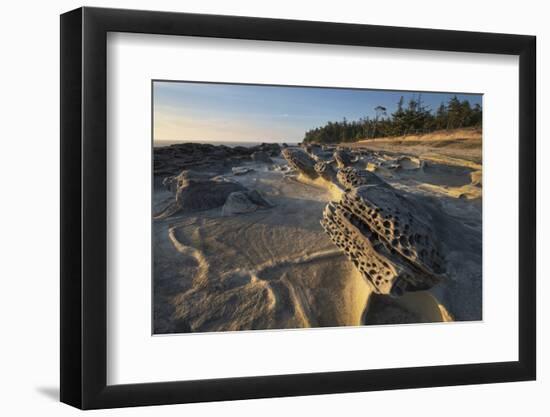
column 84, row 207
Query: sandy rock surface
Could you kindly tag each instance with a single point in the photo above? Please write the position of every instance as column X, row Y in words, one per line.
column 245, row 249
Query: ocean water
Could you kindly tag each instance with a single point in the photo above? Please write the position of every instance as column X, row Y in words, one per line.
column 231, row 144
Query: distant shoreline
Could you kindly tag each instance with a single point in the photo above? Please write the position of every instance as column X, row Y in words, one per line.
column 231, row 144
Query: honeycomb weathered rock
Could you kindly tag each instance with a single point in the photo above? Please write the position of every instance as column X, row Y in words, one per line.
column 350, row 178
column 300, row 161
column 387, row 237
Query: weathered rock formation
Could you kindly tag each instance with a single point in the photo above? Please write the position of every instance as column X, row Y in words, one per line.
column 343, row 158
column 194, row 194
column 261, row 156
column 350, row 178
column 300, row 161
column 197, row 191
column 477, row 178
column 317, row 152
column 241, row 170
column 388, row 238
column 409, row 163
column 326, row 171
column 174, row 182
column 240, row 202
column 312, row 148
column 171, row 160
column 272, row 149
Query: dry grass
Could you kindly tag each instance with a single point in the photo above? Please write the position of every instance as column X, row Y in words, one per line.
column 437, row 136
column 462, row 147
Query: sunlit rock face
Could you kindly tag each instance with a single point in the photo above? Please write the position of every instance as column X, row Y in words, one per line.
column 325, row 171
column 387, row 237
column 300, row 161
column 343, row 158
column 318, row 153
column 350, row 178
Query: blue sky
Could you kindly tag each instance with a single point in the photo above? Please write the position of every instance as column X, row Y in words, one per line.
column 186, row 111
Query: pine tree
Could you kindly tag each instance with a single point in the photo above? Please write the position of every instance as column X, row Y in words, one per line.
column 414, row 118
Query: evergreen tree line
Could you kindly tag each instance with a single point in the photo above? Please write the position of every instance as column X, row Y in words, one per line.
column 412, row 118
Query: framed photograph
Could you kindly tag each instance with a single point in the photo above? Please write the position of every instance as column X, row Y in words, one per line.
column 256, row 208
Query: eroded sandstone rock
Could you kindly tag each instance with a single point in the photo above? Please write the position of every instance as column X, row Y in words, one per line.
column 300, row 161
column 409, row 163
column 172, row 159
column 261, row 156
column 350, row 178
column 194, row 194
column 325, row 171
column 343, row 158
column 241, row 170
column 312, row 148
column 272, row 149
column 240, row 202
column 388, row 238
column 174, row 182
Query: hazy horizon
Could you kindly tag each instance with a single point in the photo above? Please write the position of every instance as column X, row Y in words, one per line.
column 209, row 112
column 230, row 143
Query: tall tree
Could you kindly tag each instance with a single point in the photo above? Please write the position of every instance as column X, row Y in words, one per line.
column 415, row 117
